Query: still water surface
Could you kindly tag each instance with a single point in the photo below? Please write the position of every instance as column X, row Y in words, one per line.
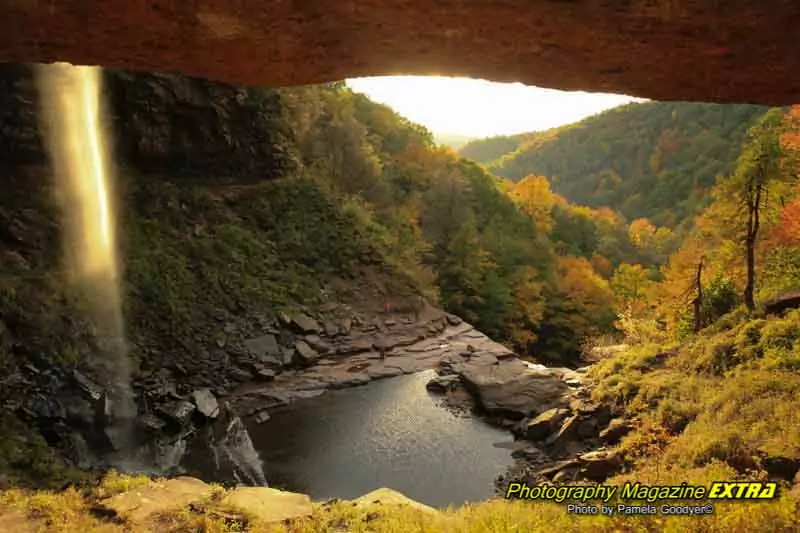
column 389, row 433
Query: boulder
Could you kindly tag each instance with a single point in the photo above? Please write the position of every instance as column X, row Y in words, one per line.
column 261, row 417
column 287, row 356
column 443, row 384
column 543, row 425
column 530, row 453
column 305, row 354
column 616, row 429
column 78, row 411
column 587, row 427
column 89, row 387
column 453, row 320
column 567, row 432
column 206, row 403
column 266, row 505
column 382, row 372
column 264, row 348
column 567, row 475
column 599, row 465
column 385, row 496
column 551, row 471
column 137, row 505
column 265, row 374
column 317, row 343
column 512, row 388
column 782, row 302
column 151, row 423
column 179, row 412
column 305, row 324
column 331, row 329
column 239, row 374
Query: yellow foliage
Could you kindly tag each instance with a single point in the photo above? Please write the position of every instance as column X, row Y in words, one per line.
column 642, row 233
column 534, row 196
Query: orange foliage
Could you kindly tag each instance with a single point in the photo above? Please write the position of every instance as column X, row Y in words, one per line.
column 581, row 285
column 787, row 233
column 641, row 233
column 602, row 265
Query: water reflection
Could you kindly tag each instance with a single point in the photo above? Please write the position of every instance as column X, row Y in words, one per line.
column 389, row 433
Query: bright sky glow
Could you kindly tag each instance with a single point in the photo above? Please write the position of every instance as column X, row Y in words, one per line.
column 480, row 108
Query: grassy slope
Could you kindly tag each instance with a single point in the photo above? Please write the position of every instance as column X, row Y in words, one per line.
column 70, row 511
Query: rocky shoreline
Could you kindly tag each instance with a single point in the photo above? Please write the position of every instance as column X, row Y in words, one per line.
column 559, row 433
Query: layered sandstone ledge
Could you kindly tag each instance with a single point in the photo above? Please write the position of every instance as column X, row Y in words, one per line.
column 737, row 51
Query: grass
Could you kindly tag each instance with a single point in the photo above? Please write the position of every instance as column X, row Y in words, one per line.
column 71, row 510
column 730, row 394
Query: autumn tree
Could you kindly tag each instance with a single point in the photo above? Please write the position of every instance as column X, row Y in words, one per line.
column 758, row 167
column 642, row 233
column 534, row 196
column 579, row 306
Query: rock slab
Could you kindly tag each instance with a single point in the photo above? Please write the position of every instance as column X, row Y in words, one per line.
column 267, row 505
column 386, row 496
column 138, row 505
column 512, row 388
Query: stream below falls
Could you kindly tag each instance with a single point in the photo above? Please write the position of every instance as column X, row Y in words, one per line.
column 388, row 433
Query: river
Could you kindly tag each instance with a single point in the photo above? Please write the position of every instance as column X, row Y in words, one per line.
column 389, row 433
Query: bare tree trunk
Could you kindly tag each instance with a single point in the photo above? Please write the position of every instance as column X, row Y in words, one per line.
column 753, row 223
column 698, row 301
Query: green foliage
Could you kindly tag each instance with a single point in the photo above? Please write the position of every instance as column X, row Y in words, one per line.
column 442, row 221
column 193, row 252
column 729, row 395
column 719, row 298
column 27, row 461
column 649, row 160
column 491, row 148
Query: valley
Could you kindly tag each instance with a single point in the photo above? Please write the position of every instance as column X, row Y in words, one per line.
column 320, row 298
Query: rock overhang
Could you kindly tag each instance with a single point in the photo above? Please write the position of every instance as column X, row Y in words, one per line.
column 737, row 51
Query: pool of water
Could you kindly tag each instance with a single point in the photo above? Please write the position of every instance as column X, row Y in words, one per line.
column 389, row 433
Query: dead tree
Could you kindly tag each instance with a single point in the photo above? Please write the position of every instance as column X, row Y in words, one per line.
column 698, row 299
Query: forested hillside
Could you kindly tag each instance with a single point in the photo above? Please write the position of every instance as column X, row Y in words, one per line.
column 653, row 160
column 238, row 204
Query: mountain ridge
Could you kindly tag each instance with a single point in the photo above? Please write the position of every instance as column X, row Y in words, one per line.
column 650, row 159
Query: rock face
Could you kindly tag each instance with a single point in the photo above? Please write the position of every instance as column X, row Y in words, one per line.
column 660, row 50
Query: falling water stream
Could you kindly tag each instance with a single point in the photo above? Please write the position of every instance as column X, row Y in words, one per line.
column 72, row 119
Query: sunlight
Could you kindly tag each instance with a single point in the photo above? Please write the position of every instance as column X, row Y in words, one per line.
column 480, row 108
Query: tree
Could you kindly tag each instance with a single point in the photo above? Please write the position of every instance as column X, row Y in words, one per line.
column 630, row 284
column 642, row 233
column 757, row 168
column 534, row 196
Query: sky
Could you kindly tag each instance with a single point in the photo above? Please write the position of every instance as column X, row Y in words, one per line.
column 480, row 108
